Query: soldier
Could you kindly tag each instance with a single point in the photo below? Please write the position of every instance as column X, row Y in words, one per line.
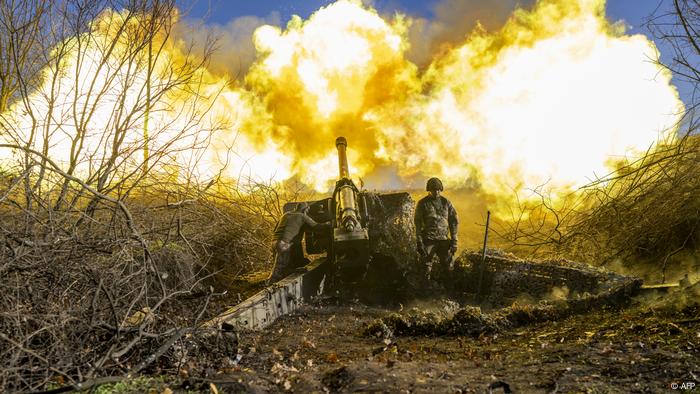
column 436, row 228
column 287, row 236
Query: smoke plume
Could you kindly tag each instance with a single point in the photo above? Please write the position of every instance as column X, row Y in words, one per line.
column 548, row 94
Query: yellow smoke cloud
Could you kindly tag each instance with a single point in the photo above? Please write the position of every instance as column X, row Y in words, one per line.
column 91, row 105
column 551, row 97
column 319, row 78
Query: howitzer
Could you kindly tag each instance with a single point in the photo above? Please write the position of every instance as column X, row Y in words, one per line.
column 363, row 252
column 347, row 246
column 350, row 234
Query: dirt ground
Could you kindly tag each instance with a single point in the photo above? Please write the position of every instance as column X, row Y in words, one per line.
column 322, row 348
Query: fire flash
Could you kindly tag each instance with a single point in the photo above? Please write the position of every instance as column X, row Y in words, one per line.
column 554, row 95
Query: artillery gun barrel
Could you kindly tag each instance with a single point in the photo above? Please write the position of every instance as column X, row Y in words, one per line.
column 342, row 144
column 348, row 214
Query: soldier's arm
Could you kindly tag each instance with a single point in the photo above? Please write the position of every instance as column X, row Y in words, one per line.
column 307, row 220
column 315, row 225
column 452, row 221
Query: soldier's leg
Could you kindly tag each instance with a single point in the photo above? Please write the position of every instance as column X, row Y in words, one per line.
column 430, row 251
column 281, row 257
column 296, row 256
column 442, row 249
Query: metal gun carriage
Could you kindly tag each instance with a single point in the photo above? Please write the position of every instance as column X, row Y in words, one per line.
column 348, row 244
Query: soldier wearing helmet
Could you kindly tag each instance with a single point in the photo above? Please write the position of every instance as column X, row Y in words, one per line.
column 287, row 236
column 436, row 228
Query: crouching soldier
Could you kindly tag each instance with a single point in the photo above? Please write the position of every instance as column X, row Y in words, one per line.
column 287, row 238
column 436, row 228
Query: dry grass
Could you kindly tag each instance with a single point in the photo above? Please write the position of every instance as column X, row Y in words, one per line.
column 644, row 215
column 83, row 298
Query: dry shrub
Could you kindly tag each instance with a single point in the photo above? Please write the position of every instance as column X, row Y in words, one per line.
column 106, row 231
column 84, row 299
column 640, row 216
column 648, row 210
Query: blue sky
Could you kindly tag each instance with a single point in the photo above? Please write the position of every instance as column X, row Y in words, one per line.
column 222, row 11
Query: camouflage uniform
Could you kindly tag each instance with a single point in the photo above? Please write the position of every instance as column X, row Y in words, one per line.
column 286, row 243
column 436, row 231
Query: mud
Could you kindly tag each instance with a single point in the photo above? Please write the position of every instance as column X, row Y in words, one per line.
column 323, row 349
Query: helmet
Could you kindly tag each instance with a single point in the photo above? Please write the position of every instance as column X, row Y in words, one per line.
column 302, row 206
column 433, row 184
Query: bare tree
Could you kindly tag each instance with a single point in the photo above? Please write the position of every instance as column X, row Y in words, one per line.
column 104, row 121
column 676, row 24
column 23, row 25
